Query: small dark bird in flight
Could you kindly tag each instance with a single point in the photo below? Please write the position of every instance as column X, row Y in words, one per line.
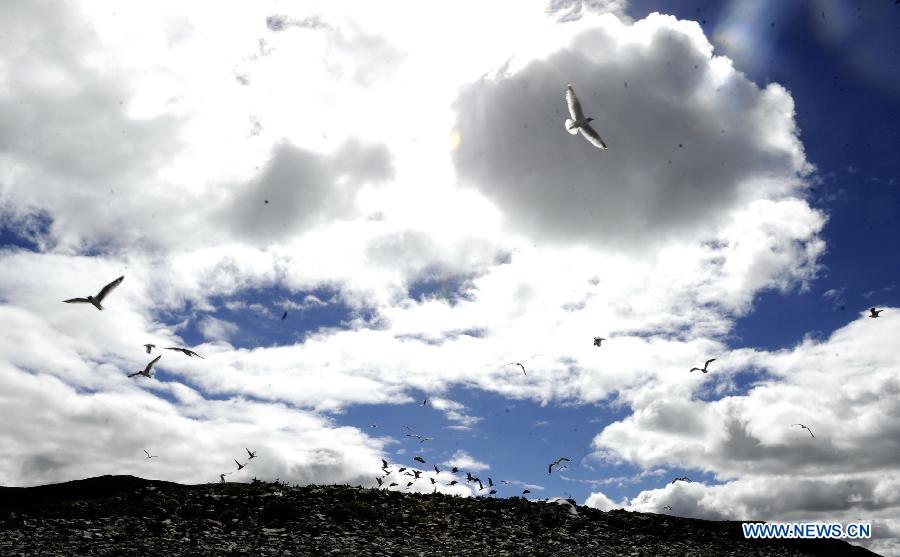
column 492, row 492
column 436, row 469
column 384, row 463
column 424, row 402
column 507, row 482
column 146, row 371
column 454, row 482
column 149, row 455
column 189, row 353
column 874, row 312
column 240, row 466
column 490, row 482
column 682, row 479
column 149, row 347
column 222, row 476
column 419, row 459
column 454, row 469
column 598, row 341
column 432, row 481
column 419, row 437
column 251, row 453
column 469, row 477
column 578, row 122
column 526, row 492
column 667, row 507
column 392, row 484
column 409, row 484
column 379, row 481
column 703, row 369
column 416, row 473
column 283, row 317
column 550, row 468
column 95, row 300
column 807, row 429
column 480, row 486
column 517, row 364
column 402, row 469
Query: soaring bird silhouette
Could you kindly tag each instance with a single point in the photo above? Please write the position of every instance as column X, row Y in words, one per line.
column 807, row 429
column 251, row 453
column 380, row 482
column 419, row 459
column 436, row 469
column 598, row 341
column 874, row 312
column 552, row 464
column 283, row 317
column 578, row 122
column 240, row 466
column 454, row 482
column 492, row 492
column 517, row 364
column 703, row 369
column 95, row 300
column 667, row 507
column 149, row 347
column 526, row 492
column 222, row 476
column 186, row 352
column 454, row 469
column 384, row 463
column 682, row 479
column 146, row 371
column 149, row 455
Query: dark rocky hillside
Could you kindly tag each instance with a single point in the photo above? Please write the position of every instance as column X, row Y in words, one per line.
column 124, row 515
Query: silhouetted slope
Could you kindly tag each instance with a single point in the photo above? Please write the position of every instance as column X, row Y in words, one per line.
column 124, row 515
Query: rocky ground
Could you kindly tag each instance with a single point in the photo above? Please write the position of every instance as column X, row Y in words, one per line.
column 124, row 515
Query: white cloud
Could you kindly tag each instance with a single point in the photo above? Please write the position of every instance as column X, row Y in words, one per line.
column 464, row 461
column 216, row 329
column 600, row 501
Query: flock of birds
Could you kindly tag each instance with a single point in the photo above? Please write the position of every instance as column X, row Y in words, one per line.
column 577, row 123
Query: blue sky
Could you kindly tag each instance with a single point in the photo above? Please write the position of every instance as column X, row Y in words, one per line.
column 410, row 198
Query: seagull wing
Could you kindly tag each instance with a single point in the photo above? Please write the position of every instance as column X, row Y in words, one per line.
column 810, row 432
column 108, row 288
column 150, row 365
column 77, row 301
column 709, row 362
column 574, row 105
column 136, row 373
column 591, row 135
column 146, row 453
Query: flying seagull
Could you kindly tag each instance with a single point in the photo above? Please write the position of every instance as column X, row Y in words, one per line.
column 419, row 437
column 149, row 347
column 807, row 429
column 283, row 317
column 251, row 453
column 490, row 482
column 146, row 371
column 682, row 479
column 517, row 364
column 409, row 484
column 189, row 353
column 454, row 482
column 222, row 476
column 526, row 492
column 454, row 470
column 401, row 469
column 392, row 484
column 550, row 468
column 95, row 300
column 416, row 474
column 874, row 312
column 436, row 469
column 578, row 122
column 419, row 459
column 704, row 370
column 384, row 463
column 432, row 481
column 240, row 466
column 492, row 492
column 379, row 481
column 598, row 340
column 667, row 507
column 149, row 455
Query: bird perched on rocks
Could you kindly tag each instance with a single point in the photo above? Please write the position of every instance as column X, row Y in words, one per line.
column 96, row 300
column 578, row 123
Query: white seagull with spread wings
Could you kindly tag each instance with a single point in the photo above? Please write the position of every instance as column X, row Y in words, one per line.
column 95, row 300
column 578, row 122
column 146, row 371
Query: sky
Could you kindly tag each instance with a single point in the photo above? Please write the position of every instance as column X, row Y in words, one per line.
column 399, row 181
